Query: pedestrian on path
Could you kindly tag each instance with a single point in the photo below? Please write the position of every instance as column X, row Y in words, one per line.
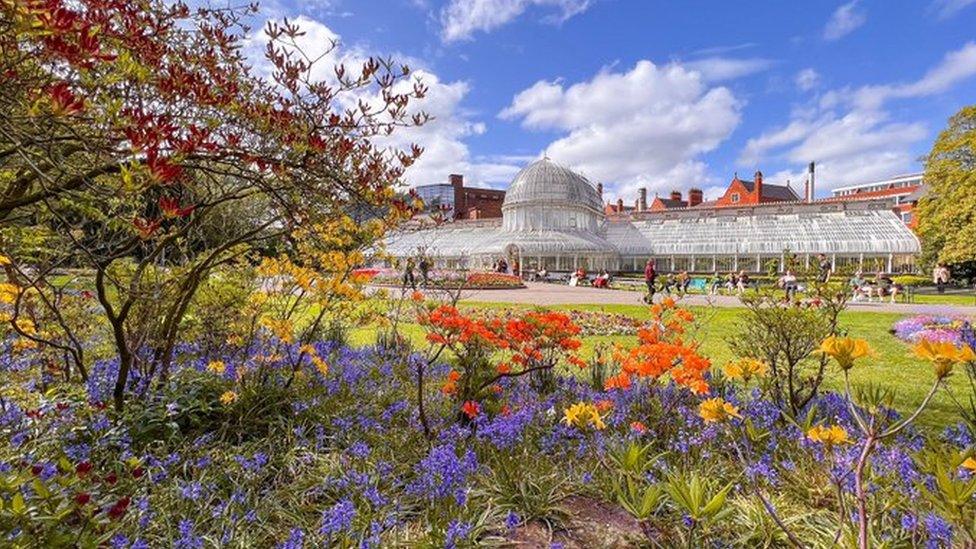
column 650, row 277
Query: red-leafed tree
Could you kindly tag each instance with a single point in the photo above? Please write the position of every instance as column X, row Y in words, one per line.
column 138, row 145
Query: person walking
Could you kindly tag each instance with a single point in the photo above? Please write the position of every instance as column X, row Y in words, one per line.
column 940, row 276
column 824, row 264
column 408, row 278
column 424, row 270
column 650, row 277
column 788, row 283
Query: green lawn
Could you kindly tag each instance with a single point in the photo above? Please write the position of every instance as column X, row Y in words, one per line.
column 894, row 366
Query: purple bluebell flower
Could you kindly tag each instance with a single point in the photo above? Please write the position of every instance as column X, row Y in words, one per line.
column 338, row 518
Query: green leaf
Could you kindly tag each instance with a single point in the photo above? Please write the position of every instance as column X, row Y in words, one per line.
column 17, row 505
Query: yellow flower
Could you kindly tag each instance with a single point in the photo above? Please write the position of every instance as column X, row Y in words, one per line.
column 745, row 369
column 943, row 355
column 716, row 409
column 317, row 361
column 4, row 260
column 582, row 414
column 217, row 366
column 845, row 350
column 829, row 436
column 970, row 464
column 228, row 398
column 8, row 292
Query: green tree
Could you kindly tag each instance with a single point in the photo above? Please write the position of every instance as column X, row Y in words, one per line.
column 947, row 214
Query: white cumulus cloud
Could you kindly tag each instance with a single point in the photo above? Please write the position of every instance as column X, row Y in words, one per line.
column 460, row 19
column 807, row 79
column 646, row 126
column 844, row 20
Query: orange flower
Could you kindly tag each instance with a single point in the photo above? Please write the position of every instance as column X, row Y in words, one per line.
column 577, row 361
column 638, row 427
column 453, row 375
column 604, row 405
column 496, row 388
column 471, row 409
column 668, row 303
column 620, row 381
column 504, row 368
column 417, row 296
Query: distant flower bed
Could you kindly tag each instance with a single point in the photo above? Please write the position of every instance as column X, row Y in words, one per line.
column 591, row 323
column 952, row 329
column 442, row 279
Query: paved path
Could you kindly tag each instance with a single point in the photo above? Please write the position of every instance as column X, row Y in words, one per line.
column 562, row 294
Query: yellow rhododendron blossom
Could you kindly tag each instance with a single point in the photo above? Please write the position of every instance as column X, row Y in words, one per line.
column 845, row 350
column 4, row 260
column 8, row 292
column 228, row 397
column 830, row 436
column 317, row 361
column 716, row 409
column 217, row 366
column 582, row 414
column 943, row 355
column 745, row 369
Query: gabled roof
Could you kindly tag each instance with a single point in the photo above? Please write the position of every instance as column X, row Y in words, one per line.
column 672, row 203
column 778, row 192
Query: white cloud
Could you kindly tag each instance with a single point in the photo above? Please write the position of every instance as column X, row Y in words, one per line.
column 807, row 79
column 717, row 69
column 945, row 9
column 843, row 21
column 442, row 138
column 643, row 127
column 849, row 133
column 462, row 18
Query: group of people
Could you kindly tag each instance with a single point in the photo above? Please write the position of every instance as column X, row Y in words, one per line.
column 501, row 266
column 424, row 265
column 601, row 280
column 880, row 287
column 732, row 282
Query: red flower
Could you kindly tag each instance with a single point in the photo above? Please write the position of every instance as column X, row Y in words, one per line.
column 36, row 470
column 119, row 508
column 81, row 498
column 638, row 427
column 138, row 472
column 145, row 227
column 83, row 468
column 471, row 409
column 111, row 478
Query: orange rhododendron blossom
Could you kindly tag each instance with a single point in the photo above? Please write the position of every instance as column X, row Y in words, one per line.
column 604, row 405
column 417, row 296
column 453, row 375
column 504, row 368
column 845, row 350
column 577, row 361
column 471, row 409
column 829, row 436
column 619, row 381
column 717, row 410
column 943, row 355
column 638, row 427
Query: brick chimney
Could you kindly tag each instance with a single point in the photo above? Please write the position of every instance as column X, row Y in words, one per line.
column 599, row 189
column 457, row 181
column 642, row 199
column 695, row 197
column 620, row 205
column 758, row 180
column 676, row 195
column 810, row 189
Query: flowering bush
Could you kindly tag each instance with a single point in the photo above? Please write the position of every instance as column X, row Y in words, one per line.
column 591, row 323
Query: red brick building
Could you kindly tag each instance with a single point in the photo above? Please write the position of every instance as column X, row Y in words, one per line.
column 751, row 193
column 455, row 201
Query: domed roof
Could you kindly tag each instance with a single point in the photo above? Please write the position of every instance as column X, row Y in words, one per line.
column 545, row 182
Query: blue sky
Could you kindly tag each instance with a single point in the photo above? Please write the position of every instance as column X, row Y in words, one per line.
column 667, row 94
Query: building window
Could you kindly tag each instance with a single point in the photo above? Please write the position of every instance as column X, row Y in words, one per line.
column 734, row 198
column 906, row 217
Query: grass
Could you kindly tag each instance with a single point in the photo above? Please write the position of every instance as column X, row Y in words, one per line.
column 893, row 367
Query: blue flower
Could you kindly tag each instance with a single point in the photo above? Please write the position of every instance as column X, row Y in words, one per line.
column 188, row 539
column 939, row 531
column 296, row 539
column 338, row 518
column 444, row 474
column 456, row 531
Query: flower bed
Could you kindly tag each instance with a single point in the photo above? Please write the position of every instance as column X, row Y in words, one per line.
column 445, row 279
column 952, row 329
column 591, row 323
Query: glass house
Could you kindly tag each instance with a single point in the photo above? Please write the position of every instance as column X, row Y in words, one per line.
column 553, row 218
